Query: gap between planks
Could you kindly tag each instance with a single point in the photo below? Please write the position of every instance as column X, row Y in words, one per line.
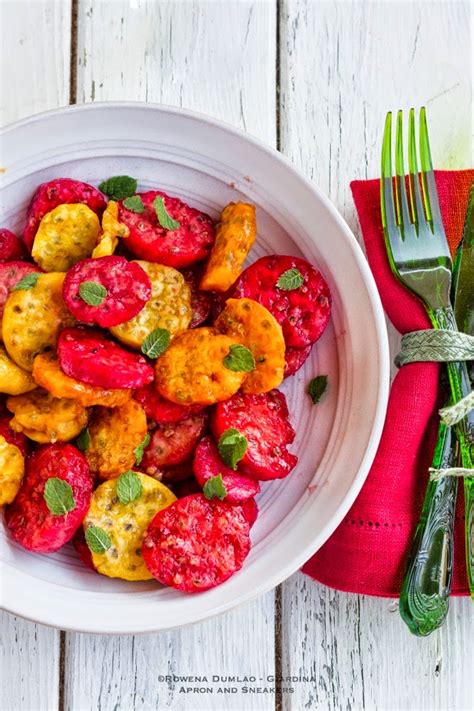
column 278, row 590
column 72, row 100
column 73, row 52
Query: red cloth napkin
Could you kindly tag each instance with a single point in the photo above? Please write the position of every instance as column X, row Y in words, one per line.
column 367, row 553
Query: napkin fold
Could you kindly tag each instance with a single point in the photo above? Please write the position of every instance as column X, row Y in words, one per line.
column 368, row 552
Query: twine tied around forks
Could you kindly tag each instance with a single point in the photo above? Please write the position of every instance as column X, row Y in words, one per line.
column 437, row 474
column 435, row 344
column 440, row 346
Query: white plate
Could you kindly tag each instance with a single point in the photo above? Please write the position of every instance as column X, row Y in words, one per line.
column 208, row 164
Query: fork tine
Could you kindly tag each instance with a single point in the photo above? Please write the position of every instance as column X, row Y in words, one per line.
column 387, row 198
column 415, row 192
column 404, row 217
column 430, row 193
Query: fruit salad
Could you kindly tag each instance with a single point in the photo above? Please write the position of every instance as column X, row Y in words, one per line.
column 139, row 378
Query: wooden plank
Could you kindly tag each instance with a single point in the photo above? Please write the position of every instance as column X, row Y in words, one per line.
column 166, row 670
column 436, row 672
column 320, row 646
column 29, row 655
column 35, row 40
column 342, row 66
column 218, row 58
column 357, row 654
column 215, row 57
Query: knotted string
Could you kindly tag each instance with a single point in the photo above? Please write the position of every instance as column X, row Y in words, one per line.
column 437, row 474
column 441, row 346
column 454, row 413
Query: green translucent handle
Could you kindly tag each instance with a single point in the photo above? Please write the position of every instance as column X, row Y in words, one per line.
column 424, row 597
column 460, row 387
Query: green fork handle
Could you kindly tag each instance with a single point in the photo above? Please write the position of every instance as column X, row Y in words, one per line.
column 424, row 597
column 460, row 387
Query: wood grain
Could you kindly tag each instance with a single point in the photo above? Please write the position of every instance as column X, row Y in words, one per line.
column 359, row 655
column 34, row 76
column 342, row 66
column 29, row 660
column 164, row 670
column 216, row 57
column 219, row 58
column 432, row 673
column 35, row 42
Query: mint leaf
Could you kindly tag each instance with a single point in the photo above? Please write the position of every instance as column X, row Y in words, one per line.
column 129, row 487
column 27, row 282
column 240, row 359
column 317, row 387
column 232, row 446
column 58, row 496
column 163, row 216
column 140, row 450
column 215, row 488
column 83, row 440
column 134, row 204
column 97, row 539
column 156, row 343
column 290, row 280
column 119, row 187
column 92, row 292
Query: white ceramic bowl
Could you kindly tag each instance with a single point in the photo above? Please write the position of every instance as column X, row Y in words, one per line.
column 208, row 164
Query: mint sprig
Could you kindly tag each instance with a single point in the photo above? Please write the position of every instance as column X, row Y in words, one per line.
column 156, row 343
column 83, row 440
column 140, row 450
column 27, row 282
column 92, row 293
column 163, row 216
column 317, row 387
column 119, row 187
column 214, row 488
column 239, row 359
column 97, row 539
column 232, row 446
column 290, row 280
column 129, row 487
column 134, row 204
column 58, row 496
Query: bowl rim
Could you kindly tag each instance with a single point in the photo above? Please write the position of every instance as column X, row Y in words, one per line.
column 17, row 605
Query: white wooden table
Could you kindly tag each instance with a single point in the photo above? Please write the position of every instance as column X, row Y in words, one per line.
column 313, row 79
